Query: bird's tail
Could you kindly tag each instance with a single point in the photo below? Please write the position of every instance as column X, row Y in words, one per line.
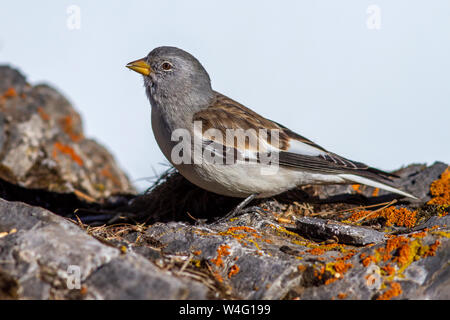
column 352, row 178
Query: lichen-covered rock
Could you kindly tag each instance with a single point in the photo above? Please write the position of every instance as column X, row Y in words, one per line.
column 41, row 253
column 42, row 144
column 257, row 258
column 269, row 252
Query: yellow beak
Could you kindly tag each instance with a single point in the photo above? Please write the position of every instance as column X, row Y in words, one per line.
column 140, row 66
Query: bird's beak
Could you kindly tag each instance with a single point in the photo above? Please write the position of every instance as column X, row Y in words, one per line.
column 140, row 66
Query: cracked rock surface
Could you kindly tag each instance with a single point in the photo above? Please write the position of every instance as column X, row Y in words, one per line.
column 41, row 253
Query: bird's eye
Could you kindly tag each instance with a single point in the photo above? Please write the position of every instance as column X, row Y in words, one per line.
column 166, row 66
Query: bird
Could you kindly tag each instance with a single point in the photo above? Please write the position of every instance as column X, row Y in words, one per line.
column 192, row 124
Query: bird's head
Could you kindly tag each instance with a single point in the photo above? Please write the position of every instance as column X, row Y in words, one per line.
column 173, row 76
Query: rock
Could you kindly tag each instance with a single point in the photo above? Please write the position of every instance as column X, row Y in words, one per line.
column 257, row 258
column 344, row 233
column 38, row 250
column 42, row 145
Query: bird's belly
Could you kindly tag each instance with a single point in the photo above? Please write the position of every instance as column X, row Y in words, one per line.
column 242, row 180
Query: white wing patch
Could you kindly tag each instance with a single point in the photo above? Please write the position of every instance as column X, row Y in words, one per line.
column 302, row 148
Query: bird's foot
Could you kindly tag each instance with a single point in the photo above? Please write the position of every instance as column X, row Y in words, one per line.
column 238, row 210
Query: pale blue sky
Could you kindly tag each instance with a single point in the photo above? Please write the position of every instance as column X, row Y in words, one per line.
column 377, row 96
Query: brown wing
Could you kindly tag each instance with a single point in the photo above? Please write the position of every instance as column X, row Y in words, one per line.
column 225, row 113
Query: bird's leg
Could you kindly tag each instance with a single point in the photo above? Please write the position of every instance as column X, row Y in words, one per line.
column 239, row 207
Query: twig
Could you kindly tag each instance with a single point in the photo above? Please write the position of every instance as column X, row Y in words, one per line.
column 351, row 209
column 371, row 213
column 83, row 196
column 185, row 264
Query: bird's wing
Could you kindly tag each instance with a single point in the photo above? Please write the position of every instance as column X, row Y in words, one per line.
column 294, row 150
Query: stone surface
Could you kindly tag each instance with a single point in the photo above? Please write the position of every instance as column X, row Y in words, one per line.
column 42, row 144
column 343, row 233
column 39, row 251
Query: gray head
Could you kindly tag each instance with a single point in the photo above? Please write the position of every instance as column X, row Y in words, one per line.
column 174, row 78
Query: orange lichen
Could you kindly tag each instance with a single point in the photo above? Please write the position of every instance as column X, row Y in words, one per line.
column 394, row 244
column 246, row 229
column 404, row 254
column 419, row 235
column 301, row 267
column 432, row 249
column 221, row 252
column 68, row 127
column 10, row 93
column 332, row 271
column 342, row 296
column 44, row 116
column 375, row 192
column 346, row 257
column 342, row 267
column 316, row 251
column 66, row 150
column 440, row 189
column 197, row 252
column 394, row 291
column 368, row 260
column 233, row 270
column 319, row 273
column 83, row 290
column 388, row 269
column 401, row 217
column 331, row 280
